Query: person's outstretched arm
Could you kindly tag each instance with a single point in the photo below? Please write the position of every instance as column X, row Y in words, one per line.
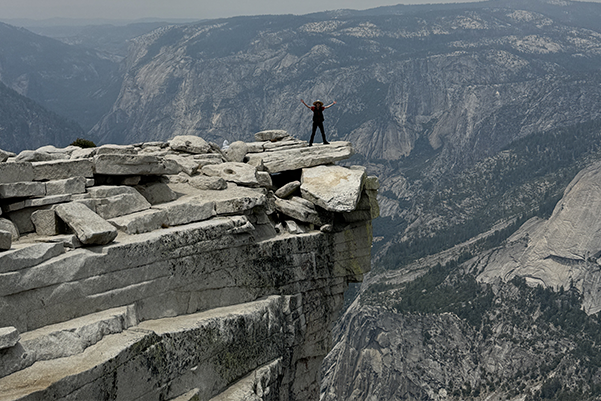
column 330, row 105
column 303, row 102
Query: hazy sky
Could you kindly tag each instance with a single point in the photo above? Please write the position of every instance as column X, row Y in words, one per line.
column 189, row 9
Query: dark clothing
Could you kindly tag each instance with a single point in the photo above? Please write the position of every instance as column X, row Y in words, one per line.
column 318, row 123
column 317, row 114
column 315, row 126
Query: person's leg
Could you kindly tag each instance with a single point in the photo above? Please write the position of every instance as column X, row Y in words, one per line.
column 313, row 133
column 323, row 134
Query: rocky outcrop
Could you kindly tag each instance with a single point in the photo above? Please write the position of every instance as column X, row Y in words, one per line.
column 132, row 283
column 562, row 251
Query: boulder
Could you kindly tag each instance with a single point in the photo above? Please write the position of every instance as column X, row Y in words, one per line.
column 156, row 192
column 5, row 240
column 189, row 144
column 239, row 173
column 288, row 189
column 204, row 182
column 297, row 158
column 22, row 219
column 264, row 179
column 9, row 337
column 62, row 169
column 7, row 225
column 236, row 152
column 297, row 211
column 124, row 164
column 46, row 222
column 89, row 227
column 271, row 135
column 334, row 188
column 15, row 172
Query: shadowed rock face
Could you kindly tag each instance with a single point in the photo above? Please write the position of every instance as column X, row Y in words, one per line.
column 175, row 290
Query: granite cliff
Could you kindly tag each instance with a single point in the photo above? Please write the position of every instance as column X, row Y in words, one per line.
column 177, row 270
column 519, row 321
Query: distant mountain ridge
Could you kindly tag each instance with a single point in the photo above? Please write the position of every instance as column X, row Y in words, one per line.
column 77, row 83
column 24, row 123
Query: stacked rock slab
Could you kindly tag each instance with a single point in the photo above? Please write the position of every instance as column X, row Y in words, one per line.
column 183, row 270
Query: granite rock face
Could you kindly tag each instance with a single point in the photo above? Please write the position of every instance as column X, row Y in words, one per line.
column 182, row 286
column 560, row 251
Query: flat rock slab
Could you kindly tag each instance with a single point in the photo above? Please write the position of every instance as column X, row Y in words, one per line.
column 141, row 222
column 187, row 211
column 204, row 182
column 234, row 199
column 15, row 172
column 62, row 169
column 75, row 185
column 116, row 149
column 121, row 205
column 125, row 164
column 186, row 164
column 239, row 173
column 334, row 188
column 295, row 159
column 156, row 192
column 297, row 211
column 22, row 190
column 89, row 227
column 271, row 135
column 209, row 158
column 288, row 143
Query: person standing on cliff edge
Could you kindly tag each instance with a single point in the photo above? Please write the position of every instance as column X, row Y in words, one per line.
column 318, row 109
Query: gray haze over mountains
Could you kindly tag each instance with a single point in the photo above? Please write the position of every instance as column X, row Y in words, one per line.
column 196, row 9
column 475, row 116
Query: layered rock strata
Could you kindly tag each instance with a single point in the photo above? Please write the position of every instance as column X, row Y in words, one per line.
column 173, row 271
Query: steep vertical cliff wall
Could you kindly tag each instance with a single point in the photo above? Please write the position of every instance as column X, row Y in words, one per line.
column 227, row 292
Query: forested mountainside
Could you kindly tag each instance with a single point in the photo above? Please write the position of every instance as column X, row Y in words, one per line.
column 25, row 124
column 75, row 82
